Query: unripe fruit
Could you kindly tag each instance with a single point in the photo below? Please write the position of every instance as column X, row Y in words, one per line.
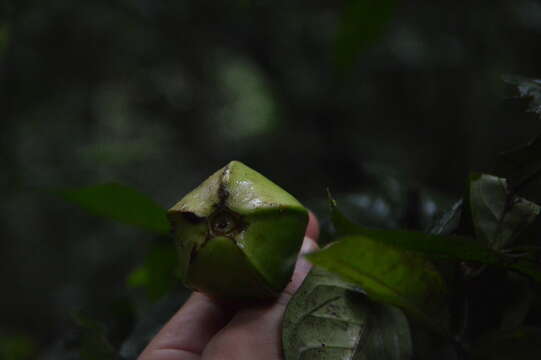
column 238, row 234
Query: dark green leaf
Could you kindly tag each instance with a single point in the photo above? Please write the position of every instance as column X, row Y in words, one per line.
column 498, row 216
column 158, row 274
column 440, row 247
column 121, row 203
column 363, row 21
column 520, row 344
column 328, row 318
column 390, row 275
column 17, row 347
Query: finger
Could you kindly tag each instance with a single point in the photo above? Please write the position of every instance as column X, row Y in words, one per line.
column 185, row 336
column 312, row 230
column 257, row 328
column 187, row 333
column 302, row 268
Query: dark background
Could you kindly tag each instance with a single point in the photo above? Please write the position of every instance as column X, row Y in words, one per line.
column 158, row 94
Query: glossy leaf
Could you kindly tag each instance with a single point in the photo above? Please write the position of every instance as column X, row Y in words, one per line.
column 498, row 216
column 328, row 318
column 390, row 275
column 455, row 248
column 120, row 203
column 521, row 344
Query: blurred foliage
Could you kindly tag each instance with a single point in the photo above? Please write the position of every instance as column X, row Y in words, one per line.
column 120, row 203
column 159, row 273
column 93, row 339
column 17, row 347
column 362, row 23
column 390, row 104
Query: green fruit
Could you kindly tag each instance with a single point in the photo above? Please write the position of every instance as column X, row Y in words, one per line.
column 238, row 234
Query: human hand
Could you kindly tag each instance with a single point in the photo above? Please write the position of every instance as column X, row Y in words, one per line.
column 207, row 329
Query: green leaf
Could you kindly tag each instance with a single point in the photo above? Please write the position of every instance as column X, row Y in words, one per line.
column 390, row 275
column 444, row 247
column 93, row 344
column 454, row 248
column 120, row 203
column 158, row 275
column 363, row 21
column 328, row 318
column 520, row 344
column 17, row 347
column 498, row 216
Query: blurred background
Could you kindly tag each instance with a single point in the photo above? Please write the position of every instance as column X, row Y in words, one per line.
column 158, row 94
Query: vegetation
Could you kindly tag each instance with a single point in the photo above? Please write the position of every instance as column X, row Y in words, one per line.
column 399, row 109
column 434, row 291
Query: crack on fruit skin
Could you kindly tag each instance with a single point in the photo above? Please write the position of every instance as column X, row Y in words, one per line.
column 239, row 226
column 236, row 221
column 192, row 256
column 192, row 218
column 217, row 226
column 223, row 194
column 221, row 210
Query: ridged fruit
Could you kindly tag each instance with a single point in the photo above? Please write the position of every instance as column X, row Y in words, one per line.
column 238, row 234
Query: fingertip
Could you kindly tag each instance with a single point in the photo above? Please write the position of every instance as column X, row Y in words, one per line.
column 302, row 268
column 187, row 333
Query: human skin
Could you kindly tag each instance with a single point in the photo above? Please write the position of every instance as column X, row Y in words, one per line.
column 209, row 329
